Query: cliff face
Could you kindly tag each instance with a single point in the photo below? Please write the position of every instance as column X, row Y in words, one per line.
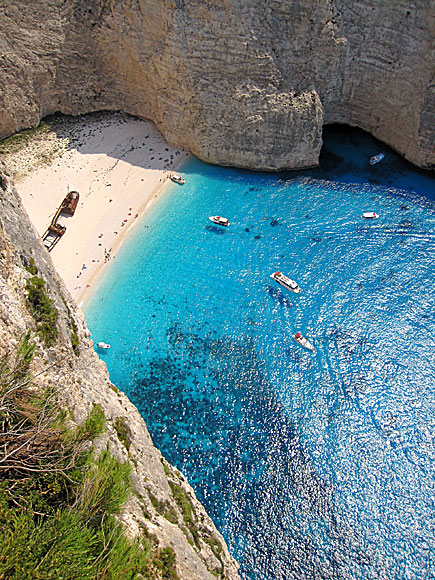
column 237, row 83
column 81, row 381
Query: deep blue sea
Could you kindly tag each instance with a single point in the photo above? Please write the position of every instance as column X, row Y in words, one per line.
column 313, row 466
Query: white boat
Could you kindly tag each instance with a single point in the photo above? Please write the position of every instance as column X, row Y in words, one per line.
column 376, row 158
column 286, row 282
column 303, row 341
column 103, row 345
column 220, row 221
column 177, row 178
column 369, row 215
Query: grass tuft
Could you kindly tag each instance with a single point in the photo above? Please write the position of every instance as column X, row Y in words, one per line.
column 16, row 142
column 123, row 431
column 166, row 564
column 105, row 488
column 58, row 503
column 42, row 309
column 31, row 267
column 95, row 423
column 75, row 342
column 185, row 505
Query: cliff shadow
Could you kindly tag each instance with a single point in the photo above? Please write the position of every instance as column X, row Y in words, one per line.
column 344, row 158
column 118, row 135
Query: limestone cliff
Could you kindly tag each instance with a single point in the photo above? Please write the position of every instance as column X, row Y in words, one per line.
column 238, row 83
column 81, row 381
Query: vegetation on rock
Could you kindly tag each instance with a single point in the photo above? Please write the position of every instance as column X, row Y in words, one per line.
column 185, row 504
column 16, row 142
column 58, row 500
column 42, row 309
column 123, row 431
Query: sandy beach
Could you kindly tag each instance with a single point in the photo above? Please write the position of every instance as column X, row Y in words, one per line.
column 117, row 163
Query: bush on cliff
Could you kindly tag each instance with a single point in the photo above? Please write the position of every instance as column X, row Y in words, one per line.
column 58, row 503
column 44, row 313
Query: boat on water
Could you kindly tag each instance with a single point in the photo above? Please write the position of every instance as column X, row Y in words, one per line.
column 369, row 215
column 286, row 282
column 220, row 221
column 177, row 178
column 103, row 345
column 303, row 341
column 376, row 158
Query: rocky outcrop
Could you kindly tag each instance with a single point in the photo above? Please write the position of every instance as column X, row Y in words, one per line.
column 237, row 83
column 82, row 381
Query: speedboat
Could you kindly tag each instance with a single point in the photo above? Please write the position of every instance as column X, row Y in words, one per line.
column 286, row 282
column 220, row 221
column 369, row 215
column 177, row 178
column 303, row 341
column 376, row 158
column 103, row 345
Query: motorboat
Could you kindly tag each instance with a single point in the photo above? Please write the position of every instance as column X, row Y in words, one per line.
column 303, row 341
column 286, row 282
column 376, row 158
column 369, row 215
column 103, row 345
column 220, row 221
column 177, row 178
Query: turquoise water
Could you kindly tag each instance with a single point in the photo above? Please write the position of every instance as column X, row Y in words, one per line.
column 313, row 466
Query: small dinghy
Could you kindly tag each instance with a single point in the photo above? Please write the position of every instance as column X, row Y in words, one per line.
column 303, row 341
column 220, row 221
column 286, row 282
column 103, row 345
column 177, row 178
column 369, row 215
column 376, row 158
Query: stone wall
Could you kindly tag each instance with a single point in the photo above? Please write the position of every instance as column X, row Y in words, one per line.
column 249, row 84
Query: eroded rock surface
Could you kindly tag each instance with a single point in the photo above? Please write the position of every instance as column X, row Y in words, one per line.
column 237, row 83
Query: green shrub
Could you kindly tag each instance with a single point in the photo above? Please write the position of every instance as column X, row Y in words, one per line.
column 67, row 546
column 44, row 314
column 185, row 505
column 95, row 423
column 74, row 336
column 105, row 488
column 15, row 369
column 164, row 508
column 123, row 431
column 19, row 140
column 166, row 563
column 58, row 506
column 75, row 342
column 165, row 468
column 31, row 267
column 216, row 548
column 157, row 505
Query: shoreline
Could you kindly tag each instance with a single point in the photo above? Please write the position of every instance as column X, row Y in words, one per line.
column 94, row 276
column 119, row 165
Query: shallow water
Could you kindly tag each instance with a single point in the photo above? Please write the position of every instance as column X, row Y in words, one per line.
column 312, row 466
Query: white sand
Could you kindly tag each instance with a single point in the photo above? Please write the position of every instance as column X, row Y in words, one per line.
column 117, row 163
